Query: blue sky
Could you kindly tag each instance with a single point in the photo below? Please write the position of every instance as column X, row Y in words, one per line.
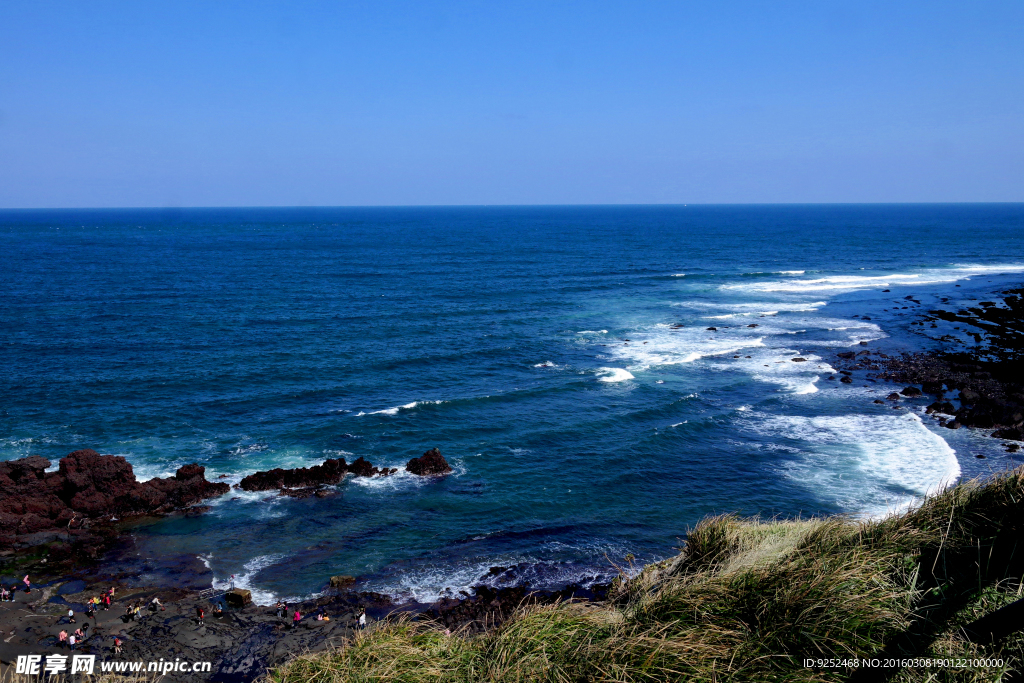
column 382, row 103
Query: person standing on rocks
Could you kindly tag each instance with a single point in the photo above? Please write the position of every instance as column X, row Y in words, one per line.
column 71, row 641
column 296, row 619
column 62, row 638
column 200, row 615
column 71, row 616
column 28, row 584
column 362, row 619
column 117, row 646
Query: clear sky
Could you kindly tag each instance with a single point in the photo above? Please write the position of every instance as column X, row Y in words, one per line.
column 337, row 103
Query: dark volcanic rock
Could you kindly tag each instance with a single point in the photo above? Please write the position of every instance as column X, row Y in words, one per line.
column 893, row 396
column 848, row 355
column 968, row 396
column 330, row 472
column 88, row 487
column 431, row 462
column 302, row 482
column 362, row 468
column 911, row 392
column 1012, row 433
column 846, row 380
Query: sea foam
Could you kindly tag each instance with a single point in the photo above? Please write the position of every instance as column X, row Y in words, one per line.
column 613, row 375
column 848, row 283
column 246, row 578
column 864, row 464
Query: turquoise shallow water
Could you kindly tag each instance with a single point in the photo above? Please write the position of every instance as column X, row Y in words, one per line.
column 247, row 339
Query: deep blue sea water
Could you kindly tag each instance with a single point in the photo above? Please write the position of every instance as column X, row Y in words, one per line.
column 247, row 339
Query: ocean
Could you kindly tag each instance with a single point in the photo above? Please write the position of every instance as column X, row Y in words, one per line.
column 537, row 347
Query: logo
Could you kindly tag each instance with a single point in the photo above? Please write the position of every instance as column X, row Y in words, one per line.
column 54, row 664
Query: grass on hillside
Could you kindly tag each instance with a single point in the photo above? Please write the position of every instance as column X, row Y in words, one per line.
column 748, row 600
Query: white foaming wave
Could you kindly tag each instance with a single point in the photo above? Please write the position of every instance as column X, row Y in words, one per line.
column 244, row 497
column 854, row 338
column 841, row 283
column 245, row 579
column 430, row 583
column 679, row 275
column 870, row 465
column 792, row 272
column 13, row 448
column 403, row 478
column 808, row 388
column 979, row 269
column 391, row 411
column 613, row 375
column 854, row 331
column 394, row 410
column 592, row 332
column 668, row 346
column 776, row 366
column 545, row 364
column 251, row 448
column 755, row 308
column 147, row 471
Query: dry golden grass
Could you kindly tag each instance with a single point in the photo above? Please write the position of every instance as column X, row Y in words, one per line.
column 746, row 600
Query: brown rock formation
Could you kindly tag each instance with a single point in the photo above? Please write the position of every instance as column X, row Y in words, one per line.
column 430, row 463
column 88, row 487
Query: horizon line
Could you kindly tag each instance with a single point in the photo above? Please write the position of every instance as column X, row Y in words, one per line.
column 172, row 208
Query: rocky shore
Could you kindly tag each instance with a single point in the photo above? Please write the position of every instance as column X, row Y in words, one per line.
column 56, row 527
column 80, row 510
column 981, row 387
column 240, row 640
column 74, row 511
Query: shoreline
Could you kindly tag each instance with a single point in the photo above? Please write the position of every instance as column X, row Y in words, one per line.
column 250, row 640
